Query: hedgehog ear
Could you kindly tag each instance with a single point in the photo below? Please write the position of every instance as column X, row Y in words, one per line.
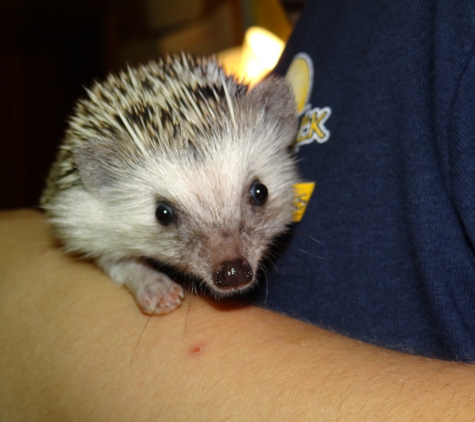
column 97, row 160
column 275, row 96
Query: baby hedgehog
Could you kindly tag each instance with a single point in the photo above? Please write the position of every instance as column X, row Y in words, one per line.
column 174, row 162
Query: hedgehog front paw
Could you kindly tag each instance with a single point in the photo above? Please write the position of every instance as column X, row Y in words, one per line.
column 159, row 296
column 154, row 291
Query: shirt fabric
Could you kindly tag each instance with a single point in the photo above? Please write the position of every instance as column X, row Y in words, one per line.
column 385, row 250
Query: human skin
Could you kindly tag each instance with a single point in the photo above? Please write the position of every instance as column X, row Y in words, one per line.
column 74, row 346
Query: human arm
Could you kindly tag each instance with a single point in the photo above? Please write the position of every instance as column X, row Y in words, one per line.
column 74, row 346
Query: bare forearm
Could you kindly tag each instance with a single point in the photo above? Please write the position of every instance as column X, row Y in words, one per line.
column 74, row 346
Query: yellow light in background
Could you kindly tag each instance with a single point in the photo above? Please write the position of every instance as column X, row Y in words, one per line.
column 261, row 51
column 257, row 57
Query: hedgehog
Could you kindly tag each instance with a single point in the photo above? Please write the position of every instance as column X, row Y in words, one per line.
column 174, row 163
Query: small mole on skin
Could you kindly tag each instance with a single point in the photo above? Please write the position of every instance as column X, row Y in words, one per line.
column 197, row 350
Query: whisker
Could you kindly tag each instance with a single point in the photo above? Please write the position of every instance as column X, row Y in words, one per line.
column 186, row 318
column 140, row 338
column 151, row 271
column 266, row 281
column 300, row 233
column 313, row 255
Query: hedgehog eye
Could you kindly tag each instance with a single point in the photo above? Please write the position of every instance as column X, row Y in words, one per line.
column 164, row 213
column 258, row 193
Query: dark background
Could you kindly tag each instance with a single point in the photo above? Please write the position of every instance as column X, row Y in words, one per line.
column 50, row 50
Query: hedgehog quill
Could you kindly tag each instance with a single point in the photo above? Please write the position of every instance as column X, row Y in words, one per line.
column 177, row 163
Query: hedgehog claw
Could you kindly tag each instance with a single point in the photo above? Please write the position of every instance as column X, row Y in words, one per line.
column 159, row 296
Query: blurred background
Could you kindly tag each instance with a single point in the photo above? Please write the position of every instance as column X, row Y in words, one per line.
column 51, row 49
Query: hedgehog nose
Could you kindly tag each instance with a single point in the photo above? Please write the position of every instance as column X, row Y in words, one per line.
column 233, row 274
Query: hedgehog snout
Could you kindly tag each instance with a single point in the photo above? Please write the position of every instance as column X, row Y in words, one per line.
column 233, row 274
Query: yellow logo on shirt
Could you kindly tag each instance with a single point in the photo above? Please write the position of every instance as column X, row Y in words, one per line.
column 302, row 194
column 312, row 124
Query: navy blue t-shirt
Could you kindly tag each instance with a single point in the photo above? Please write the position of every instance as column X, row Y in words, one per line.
column 385, row 250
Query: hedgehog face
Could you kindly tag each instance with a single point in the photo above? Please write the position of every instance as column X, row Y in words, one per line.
column 215, row 217
column 176, row 162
